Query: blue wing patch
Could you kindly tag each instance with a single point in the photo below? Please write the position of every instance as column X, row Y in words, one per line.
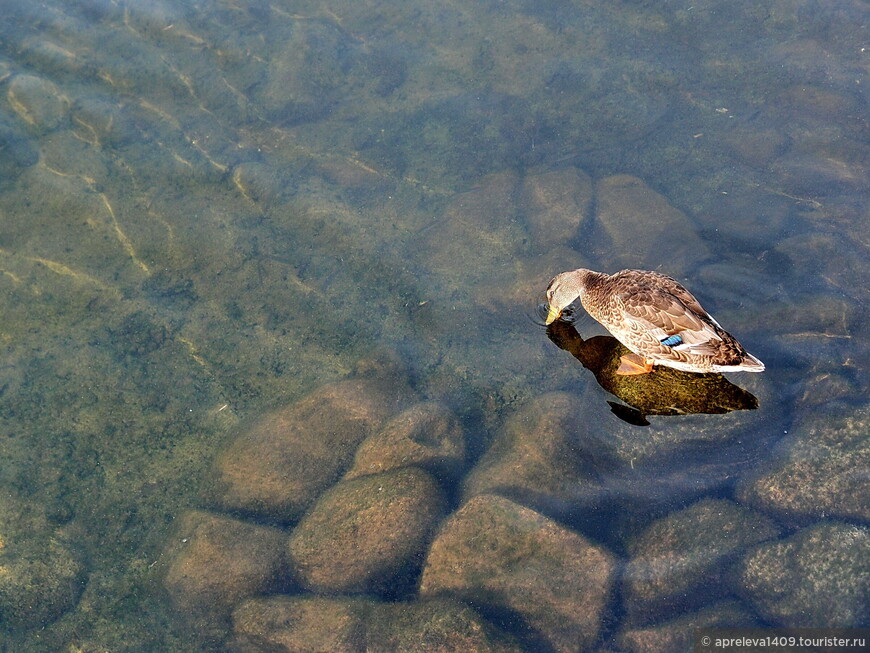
column 672, row 341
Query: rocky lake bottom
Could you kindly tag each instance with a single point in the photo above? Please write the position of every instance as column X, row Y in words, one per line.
column 274, row 373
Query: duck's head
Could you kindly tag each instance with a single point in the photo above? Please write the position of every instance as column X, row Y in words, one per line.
column 564, row 289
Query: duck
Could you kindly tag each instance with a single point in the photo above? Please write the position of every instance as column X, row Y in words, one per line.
column 655, row 317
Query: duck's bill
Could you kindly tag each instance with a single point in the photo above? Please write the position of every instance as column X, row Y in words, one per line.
column 552, row 315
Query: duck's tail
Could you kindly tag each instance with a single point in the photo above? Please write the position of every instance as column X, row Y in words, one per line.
column 749, row 364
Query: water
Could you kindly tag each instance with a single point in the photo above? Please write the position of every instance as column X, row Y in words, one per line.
column 210, row 210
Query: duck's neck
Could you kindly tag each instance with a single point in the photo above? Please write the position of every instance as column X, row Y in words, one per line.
column 589, row 282
column 591, row 279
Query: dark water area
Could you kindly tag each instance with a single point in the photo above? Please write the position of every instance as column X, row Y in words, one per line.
column 274, row 374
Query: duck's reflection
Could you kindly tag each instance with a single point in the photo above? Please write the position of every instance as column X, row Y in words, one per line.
column 664, row 392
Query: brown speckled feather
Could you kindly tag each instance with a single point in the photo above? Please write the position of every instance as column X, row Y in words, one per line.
column 638, row 279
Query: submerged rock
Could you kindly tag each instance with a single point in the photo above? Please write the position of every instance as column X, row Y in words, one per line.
column 284, row 623
column 819, row 174
column 742, row 296
column 838, row 257
column 308, row 76
column 478, row 235
column 216, row 562
column 557, row 203
column 426, row 435
column 66, row 151
column 16, row 152
column 510, row 296
column 435, row 626
column 820, row 470
column 363, row 533
column 103, row 122
column 817, row 578
column 799, row 321
column 751, row 215
column 277, row 467
column 259, row 182
column 41, row 53
column 682, row 559
column 640, row 225
column 355, row 176
column 356, row 625
column 503, row 557
column 535, row 459
column 678, row 635
column 830, row 106
column 557, row 456
column 756, row 147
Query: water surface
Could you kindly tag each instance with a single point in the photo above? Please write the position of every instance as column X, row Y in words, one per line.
column 209, row 209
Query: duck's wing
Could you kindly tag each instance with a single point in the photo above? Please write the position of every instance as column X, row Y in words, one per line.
column 668, row 284
column 654, row 313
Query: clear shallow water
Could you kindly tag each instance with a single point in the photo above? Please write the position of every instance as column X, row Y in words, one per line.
column 210, row 211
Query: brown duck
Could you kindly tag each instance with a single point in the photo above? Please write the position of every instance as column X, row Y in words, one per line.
column 655, row 317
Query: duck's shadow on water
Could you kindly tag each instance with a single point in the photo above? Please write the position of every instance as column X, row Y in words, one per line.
column 664, row 391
